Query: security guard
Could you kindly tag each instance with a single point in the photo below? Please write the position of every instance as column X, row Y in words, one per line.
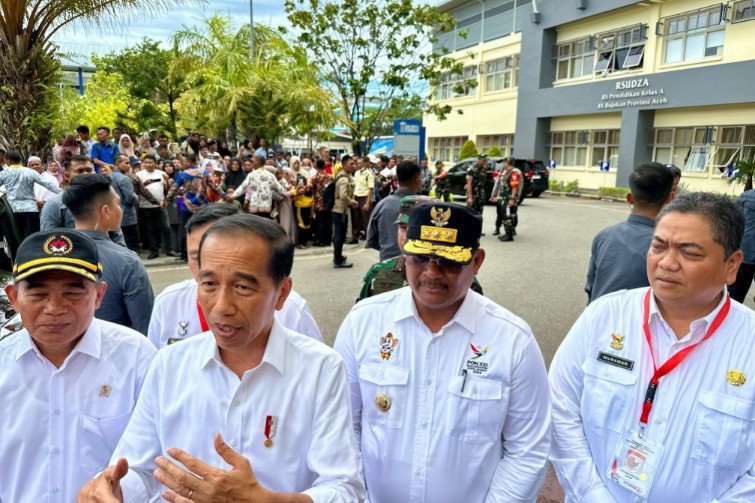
column 505, row 194
column 448, row 389
column 391, row 274
column 68, row 382
column 653, row 389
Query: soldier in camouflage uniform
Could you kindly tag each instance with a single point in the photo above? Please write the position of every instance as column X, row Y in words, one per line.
column 476, row 185
column 505, row 194
column 442, row 183
column 390, row 274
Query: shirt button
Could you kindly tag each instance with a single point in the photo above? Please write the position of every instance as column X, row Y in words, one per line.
column 428, row 382
column 233, row 443
column 424, row 426
column 54, row 490
column 57, row 412
column 56, row 451
column 236, row 403
column 417, row 473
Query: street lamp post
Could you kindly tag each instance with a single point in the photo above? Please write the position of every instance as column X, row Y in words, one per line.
column 251, row 29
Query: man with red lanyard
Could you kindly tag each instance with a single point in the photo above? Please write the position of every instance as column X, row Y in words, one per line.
column 177, row 315
column 653, row 389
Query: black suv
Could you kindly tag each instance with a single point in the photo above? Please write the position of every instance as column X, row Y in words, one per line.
column 534, row 172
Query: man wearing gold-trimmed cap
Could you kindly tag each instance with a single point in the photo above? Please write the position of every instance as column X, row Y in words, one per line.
column 448, row 390
column 69, row 382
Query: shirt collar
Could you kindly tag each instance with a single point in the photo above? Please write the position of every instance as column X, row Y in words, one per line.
column 95, row 235
column 90, row 344
column 639, row 219
column 465, row 315
column 275, row 351
column 704, row 322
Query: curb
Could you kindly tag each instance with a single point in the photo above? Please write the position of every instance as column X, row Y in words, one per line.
column 589, row 197
column 163, row 261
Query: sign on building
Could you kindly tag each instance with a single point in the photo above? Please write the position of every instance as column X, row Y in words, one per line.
column 409, row 138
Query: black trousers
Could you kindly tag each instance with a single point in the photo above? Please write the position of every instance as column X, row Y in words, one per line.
column 184, row 217
column 131, row 236
column 26, row 223
column 156, row 224
column 509, row 221
column 324, row 227
column 738, row 290
column 340, row 226
column 304, row 224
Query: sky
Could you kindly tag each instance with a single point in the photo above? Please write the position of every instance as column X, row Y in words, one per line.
column 81, row 41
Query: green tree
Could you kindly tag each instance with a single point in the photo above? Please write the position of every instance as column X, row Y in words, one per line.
column 29, row 67
column 104, row 103
column 745, row 171
column 494, row 151
column 372, row 48
column 146, row 68
column 468, row 150
column 274, row 94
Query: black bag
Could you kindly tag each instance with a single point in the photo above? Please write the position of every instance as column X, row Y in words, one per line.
column 329, row 194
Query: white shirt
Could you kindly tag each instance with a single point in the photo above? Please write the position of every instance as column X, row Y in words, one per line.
column 706, row 424
column 42, row 193
column 60, row 425
column 156, row 188
column 438, row 443
column 190, row 395
column 175, row 316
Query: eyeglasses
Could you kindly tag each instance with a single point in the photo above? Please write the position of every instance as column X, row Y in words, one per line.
column 441, row 263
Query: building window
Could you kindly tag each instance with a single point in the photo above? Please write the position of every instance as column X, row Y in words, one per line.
column 575, row 58
column 447, row 148
column 501, row 74
column 454, row 85
column 577, row 148
column 505, row 143
column 620, row 50
column 689, row 148
column 744, row 11
column 694, row 36
column 735, row 143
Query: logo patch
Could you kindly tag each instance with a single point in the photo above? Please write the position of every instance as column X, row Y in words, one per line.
column 474, row 365
column 387, row 344
column 58, row 245
column 182, row 328
column 736, row 377
column 105, row 390
column 440, row 217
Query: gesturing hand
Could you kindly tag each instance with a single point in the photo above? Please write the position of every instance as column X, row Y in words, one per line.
column 106, row 487
column 201, row 483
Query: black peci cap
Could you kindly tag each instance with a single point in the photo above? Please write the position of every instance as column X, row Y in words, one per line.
column 59, row 249
column 446, row 230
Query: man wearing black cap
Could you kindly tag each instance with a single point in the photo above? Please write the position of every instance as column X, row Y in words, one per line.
column 449, row 393
column 69, row 382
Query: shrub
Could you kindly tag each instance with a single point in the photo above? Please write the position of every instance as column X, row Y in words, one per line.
column 615, row 192
column 494, row 151
column 468, row 150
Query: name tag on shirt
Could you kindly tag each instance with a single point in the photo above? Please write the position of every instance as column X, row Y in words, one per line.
column 173, row 340
column 615, row 361
column 634, row 463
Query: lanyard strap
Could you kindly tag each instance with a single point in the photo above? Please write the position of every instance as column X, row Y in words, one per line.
column 675, row 360
column 202, row 320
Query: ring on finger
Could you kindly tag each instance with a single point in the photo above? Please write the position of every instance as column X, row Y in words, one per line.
column 191, row 492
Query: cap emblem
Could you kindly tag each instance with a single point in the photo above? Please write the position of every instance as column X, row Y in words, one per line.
column 440, row 217
column 58, row 245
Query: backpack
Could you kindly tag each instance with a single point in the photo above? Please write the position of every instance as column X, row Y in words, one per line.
column 329, row 194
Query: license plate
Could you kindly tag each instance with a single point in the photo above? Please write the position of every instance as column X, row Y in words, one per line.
column 536, row 177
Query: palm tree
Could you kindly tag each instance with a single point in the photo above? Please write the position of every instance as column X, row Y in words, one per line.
column 271, row 95
column 30, row 68
column 745, row 170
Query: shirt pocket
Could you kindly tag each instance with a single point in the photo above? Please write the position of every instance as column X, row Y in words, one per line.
column 99, row 438
column 388, row 381
column 723, row 421
column 607, row 395
column 476, row 413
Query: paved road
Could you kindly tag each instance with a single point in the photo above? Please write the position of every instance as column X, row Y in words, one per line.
column 539, row 277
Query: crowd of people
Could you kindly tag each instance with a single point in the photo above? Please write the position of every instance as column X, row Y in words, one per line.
column 221, row 390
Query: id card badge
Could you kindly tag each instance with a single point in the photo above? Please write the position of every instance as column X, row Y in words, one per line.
column 634, row 463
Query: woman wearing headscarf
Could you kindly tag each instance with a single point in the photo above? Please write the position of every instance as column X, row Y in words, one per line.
column 126, row 146
column 304, row 203
column 55, row 170
column 145, row 146
column 71, row 147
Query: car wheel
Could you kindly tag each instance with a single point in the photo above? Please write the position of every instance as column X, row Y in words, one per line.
column 537, row 193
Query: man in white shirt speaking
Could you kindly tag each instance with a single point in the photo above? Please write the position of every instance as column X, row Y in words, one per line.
column 177, row 314
column 250, row 411
column 449, row 392
column 68, row 381
column 653, row 389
